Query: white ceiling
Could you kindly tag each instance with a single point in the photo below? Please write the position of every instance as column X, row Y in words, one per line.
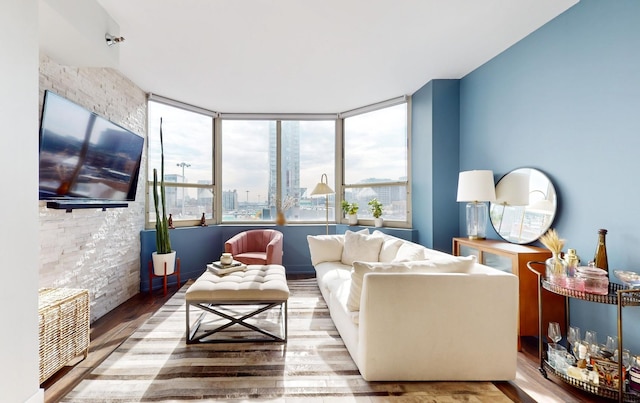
column 305, row 56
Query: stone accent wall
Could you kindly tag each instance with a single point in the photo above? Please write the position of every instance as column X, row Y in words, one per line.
column 90, row 248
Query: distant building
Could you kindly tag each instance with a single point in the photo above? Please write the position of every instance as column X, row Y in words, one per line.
column 230, row 200
column 290, row 164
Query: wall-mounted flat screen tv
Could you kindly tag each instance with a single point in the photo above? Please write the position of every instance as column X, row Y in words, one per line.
column 85, row 156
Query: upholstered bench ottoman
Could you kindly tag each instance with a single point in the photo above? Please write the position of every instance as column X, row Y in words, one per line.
column 237, row 299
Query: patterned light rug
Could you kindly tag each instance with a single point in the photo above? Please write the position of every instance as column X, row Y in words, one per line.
column 155, row 364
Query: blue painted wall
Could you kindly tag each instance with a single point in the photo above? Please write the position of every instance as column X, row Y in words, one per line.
column 566, row 100
column 197, row 246
column 434, row 162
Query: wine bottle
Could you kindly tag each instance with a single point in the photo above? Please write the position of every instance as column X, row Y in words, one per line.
column 600, row 258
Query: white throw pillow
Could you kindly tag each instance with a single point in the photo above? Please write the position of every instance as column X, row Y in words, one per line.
column 360, row 247
column 390, row 246
column 325, row 248
column 409, row 252
column 452, row 264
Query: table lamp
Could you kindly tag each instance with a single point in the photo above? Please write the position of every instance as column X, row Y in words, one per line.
column 476, row 187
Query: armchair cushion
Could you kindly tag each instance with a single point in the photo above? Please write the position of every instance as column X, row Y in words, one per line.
column 256, row 246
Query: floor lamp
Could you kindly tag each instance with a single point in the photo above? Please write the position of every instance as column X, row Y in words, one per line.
column 322, row 188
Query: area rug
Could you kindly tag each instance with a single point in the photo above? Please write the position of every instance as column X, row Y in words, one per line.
column 155, row 364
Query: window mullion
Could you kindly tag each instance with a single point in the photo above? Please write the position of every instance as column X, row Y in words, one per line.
column 278, row 165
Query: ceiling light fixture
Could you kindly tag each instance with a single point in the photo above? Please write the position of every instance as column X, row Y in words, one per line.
column 112, row 40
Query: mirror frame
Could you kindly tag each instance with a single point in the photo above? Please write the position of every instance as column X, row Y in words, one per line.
column 516, row 222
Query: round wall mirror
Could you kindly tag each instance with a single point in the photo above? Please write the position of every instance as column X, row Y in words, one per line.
column 525, row 206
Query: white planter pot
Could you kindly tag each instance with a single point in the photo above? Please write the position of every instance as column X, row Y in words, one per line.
column 160, row 260
column 377, row 222
column 353, row 219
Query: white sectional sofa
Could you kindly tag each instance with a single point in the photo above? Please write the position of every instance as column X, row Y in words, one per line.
column 408, row 313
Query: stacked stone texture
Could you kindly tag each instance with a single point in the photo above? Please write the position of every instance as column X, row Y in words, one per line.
column 90, row 248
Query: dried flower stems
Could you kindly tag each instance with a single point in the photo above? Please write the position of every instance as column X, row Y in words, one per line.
column 553, row 242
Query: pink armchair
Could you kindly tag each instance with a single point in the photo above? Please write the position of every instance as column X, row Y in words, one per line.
column 257, row 246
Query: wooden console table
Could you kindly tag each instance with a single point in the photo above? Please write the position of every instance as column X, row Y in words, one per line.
column 513, row 258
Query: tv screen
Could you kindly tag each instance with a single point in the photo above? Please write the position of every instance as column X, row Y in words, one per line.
column 85, row 156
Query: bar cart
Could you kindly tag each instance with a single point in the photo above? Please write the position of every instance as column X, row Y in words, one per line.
column 618, row 295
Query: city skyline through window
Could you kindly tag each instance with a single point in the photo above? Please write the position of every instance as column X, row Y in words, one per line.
column 373, row 164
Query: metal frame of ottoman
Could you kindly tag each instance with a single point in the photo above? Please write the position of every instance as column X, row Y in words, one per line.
column 252, row 278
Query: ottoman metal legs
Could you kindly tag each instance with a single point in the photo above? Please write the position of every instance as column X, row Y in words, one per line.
column 239, row 306
column 235, row 316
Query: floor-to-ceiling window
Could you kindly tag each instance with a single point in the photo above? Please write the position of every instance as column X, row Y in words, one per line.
column 188, row 155
column 238, row 168
column 273, row 165
column 376, row 160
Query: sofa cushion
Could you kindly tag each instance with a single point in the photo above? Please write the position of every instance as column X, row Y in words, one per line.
column 328, row 274
column 409, row 252
column 358, row 246
column 448, row 264
column 325, row 248
column 390, row 246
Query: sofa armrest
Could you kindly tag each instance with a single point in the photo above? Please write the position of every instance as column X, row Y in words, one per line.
column 430, row 326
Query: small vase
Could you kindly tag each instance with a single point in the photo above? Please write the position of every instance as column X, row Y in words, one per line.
column 353, row 219
column 377, row 222
column 280, row 218
column 556, row 269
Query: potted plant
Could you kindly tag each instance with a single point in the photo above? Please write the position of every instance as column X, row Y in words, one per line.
column 164, row 258
column 351, row 211
column 376, row 210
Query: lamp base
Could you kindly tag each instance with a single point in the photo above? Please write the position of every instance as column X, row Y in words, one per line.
column 475, row 237
column 477, row 213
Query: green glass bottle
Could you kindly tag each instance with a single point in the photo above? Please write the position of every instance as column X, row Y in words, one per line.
column 600, row 258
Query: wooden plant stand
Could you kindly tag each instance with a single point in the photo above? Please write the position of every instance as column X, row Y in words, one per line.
column 164, row 276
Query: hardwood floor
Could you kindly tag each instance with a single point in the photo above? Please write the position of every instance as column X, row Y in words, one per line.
column 108, row 332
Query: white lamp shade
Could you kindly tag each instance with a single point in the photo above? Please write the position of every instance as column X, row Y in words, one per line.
column 321, row 189
column 543, row 206
column 476, row 186
column 513, row 189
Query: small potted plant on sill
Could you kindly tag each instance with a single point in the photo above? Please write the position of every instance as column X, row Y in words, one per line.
column 351, row 211
column 163, row 255
column 376, row 210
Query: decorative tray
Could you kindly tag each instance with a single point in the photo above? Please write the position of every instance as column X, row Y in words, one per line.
column 630, row 297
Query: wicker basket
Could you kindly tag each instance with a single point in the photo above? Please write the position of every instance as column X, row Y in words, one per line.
column 64, row 327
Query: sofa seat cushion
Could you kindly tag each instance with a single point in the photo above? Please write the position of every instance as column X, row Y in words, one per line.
column 447, row 264
column 329, row 275
column 360, row 247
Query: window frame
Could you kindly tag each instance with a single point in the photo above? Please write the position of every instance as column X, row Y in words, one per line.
column 339, row 184
column 278, row 119
column 407, row 223
column 149, row 208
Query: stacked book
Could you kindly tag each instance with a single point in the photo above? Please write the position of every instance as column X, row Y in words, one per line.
column 220, row 269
